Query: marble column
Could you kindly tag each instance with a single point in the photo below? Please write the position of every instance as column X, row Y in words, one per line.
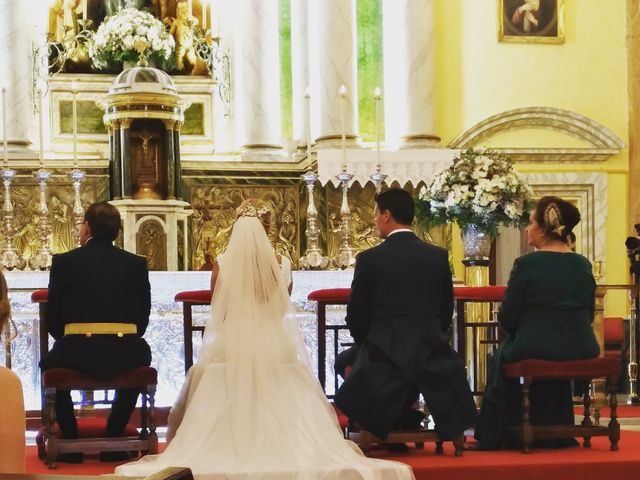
column 633, row 91
column 257, row 76
column 300, row 67
column 333, row 50
column 177, row 159
column 171, row 159
column 409, row 73
column 15, row 71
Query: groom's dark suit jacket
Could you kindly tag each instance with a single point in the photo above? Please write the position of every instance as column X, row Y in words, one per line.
column 98, row 283
column 399, row 314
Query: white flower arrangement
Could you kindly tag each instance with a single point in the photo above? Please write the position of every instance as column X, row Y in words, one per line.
column 125, row 35
column 479, row 188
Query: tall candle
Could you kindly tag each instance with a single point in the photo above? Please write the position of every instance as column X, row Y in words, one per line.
column 342, row 91
column 40, row 129
column 190, row 8
column 205, row 3
column 4, row 128
column 307, row 103
column 74, row 91
column 377, row 95
column 84, row 9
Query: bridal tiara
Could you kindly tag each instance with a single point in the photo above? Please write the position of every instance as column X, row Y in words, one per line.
column 249, row 210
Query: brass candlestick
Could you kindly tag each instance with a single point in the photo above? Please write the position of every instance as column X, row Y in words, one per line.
column 77, row 177
column 312, row 259
column 634, row 308
column 41, row 260
column 10, row 257
column 346, row 255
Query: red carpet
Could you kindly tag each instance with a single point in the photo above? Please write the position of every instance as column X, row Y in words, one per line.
column 623, row 411
column 570, row 464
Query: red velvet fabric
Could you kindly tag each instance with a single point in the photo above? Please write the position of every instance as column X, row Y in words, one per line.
column 568, row 369
column 613, row 330
column 492, row 293
column 330, row 294
column 67, row 379
column 40, row 296
column 90, row 427
column 194, row 296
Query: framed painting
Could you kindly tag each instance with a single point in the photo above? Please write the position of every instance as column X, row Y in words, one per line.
column 531, row 21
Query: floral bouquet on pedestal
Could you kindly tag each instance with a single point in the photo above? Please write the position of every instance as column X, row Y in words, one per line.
column 480, row 190
column 122, row 37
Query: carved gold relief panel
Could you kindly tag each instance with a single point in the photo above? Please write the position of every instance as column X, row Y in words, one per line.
column 214, row 212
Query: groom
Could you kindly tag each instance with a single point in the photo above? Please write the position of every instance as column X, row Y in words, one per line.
column 399, row 314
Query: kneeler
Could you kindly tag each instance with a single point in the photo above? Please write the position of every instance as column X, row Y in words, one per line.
column 92, row 430
column 531, row 370
column 366, row 439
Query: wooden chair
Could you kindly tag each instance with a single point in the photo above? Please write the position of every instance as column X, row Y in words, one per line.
column 364, row 438
column 531, row 370
column 189, row 299
column 91, row 435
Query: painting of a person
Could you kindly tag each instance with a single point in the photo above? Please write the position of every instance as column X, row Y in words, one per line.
column 526, row 15
column 547, row 313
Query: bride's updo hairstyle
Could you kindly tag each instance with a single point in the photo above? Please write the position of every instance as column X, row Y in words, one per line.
column 557, row 218
column 252, row 207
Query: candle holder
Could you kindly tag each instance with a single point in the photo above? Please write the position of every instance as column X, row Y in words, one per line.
column 41, row 260
column 9, row 256
column 346, row 255
column 312, row 259
column 77, row 177
column 378, row 180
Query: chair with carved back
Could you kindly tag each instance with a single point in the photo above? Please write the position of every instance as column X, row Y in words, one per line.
column 91, row 430
column 365, row 439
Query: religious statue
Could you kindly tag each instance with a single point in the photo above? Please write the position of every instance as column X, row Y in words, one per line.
column 159, row 8
column 182, row 29
column 62, row 226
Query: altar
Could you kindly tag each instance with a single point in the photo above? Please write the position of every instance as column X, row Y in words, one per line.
column 165, row 332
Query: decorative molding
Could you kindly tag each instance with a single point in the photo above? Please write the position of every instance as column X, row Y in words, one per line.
column 603, row 142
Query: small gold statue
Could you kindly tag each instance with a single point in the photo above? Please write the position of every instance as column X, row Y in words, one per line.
column 182, row 29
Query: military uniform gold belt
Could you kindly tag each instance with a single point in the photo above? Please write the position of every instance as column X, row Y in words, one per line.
column 89, row 329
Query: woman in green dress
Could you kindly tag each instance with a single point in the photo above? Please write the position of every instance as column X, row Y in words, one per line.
column 547, row 314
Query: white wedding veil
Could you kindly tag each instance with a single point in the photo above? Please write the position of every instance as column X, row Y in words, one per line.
column 251, row 407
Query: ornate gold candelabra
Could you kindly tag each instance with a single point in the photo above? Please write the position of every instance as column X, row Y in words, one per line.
column 41, row 260
column 77, row 177
column 312, row 259
column 11, row 258
column 346, row 255
column 634, row 307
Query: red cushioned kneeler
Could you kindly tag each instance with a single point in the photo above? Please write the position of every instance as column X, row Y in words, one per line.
column 189, row 299
column 530, row 370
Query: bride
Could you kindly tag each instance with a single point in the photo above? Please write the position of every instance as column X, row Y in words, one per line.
column 251, row 407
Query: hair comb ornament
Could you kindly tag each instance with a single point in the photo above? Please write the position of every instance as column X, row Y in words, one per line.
column 247, row 209
column 553, row 219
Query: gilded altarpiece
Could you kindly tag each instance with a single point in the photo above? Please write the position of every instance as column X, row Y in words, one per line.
column 60, row 198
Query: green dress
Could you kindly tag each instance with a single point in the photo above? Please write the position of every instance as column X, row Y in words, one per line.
column 547, row 314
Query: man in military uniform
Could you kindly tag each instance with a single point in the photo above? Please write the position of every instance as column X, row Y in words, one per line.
column 98, row 310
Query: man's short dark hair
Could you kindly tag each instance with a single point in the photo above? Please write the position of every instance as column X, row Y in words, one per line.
column 400, row 204
column 104, row 220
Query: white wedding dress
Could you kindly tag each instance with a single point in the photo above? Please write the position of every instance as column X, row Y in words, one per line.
column 251, row 408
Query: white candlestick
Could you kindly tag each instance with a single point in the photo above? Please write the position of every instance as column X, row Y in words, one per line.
column 4, row 128
column 190, row 7
column 84, row 9
column 377, row 95
column 74, row 91
column 204, row 14
column 342, row 91
column 40, row 129
column 307, row 104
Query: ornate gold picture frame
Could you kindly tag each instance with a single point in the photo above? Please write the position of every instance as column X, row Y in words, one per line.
column 531, row 21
